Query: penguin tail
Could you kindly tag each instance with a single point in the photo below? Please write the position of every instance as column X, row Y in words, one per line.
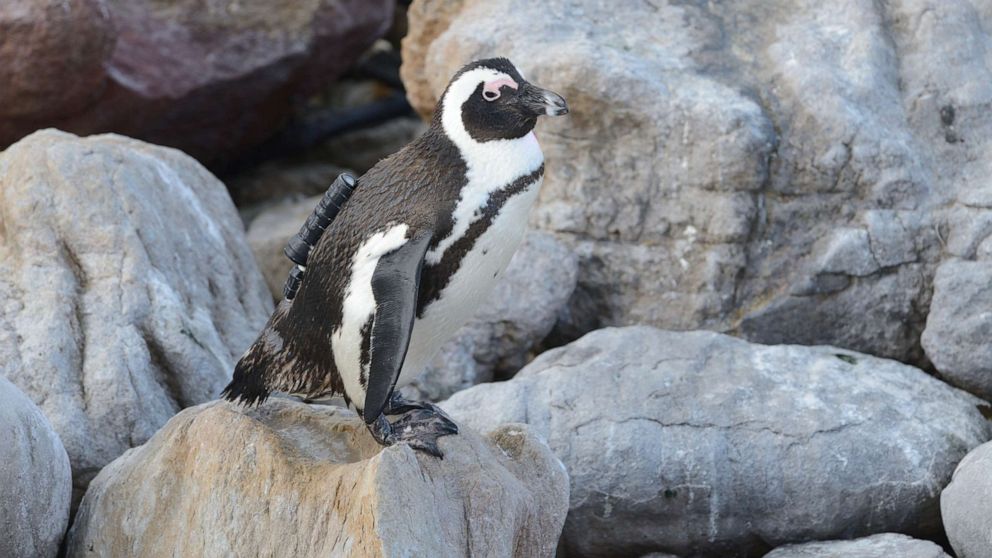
column 248, row 386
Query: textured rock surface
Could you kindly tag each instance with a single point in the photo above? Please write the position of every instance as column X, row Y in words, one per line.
column 886, row 545
column 360, row 150
column 127, row 289
column 521, row 312
column 35, row 479
column 959, row 325
column 51, row 57
column 966, row 505
column 210, row 77
column 789, row 170
column 728, row 446
column 295, row 480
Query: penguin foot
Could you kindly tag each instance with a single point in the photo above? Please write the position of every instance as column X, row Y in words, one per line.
column 419, row 427
column 398, row 405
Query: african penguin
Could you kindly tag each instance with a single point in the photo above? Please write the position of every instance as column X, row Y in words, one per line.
column 423, row 238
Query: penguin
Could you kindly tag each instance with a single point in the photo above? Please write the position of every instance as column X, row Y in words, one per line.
column 421, row 240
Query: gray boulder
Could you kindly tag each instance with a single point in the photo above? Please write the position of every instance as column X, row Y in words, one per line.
column 289, row 479
column 35, row 479
column 886, row 545
column 791, row 172
column 966, row 505
column 959, row 325
column 127, row 289
column 700, row 444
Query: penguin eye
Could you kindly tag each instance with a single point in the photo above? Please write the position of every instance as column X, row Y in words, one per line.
column 492, row 90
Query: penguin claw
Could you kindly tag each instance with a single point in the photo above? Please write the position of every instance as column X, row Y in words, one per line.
column 420, row 428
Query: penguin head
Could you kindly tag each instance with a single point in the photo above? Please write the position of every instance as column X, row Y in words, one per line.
column 489, row 100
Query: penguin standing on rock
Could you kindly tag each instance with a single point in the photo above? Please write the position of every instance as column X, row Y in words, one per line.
column 421, row 240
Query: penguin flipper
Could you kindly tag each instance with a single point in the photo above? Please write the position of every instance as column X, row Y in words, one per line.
column 395, row 284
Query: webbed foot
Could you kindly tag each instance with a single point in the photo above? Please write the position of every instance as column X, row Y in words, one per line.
column 398, row 405
column 419, row 427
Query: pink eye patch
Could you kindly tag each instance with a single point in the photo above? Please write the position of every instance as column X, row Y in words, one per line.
column 490, row 91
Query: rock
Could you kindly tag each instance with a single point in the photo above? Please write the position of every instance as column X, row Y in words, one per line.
column 51, row 58
column 127, row 289
column 960, row 324
column 297, row 480
column 360, row 150
column 210, row 78
column 966, row 505
column 729, row 446
column 35, row 480
column 886, row 545
column 278, row 183
column 521, row 312
column 790, row 172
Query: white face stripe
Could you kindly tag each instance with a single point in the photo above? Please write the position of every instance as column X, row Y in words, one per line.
column 491, row 165
column 358, row 305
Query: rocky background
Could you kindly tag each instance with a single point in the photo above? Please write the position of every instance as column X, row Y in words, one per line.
column 751, row 316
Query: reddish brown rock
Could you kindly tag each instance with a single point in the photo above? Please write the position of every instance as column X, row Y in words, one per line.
column 51, row 59
column 209, row 77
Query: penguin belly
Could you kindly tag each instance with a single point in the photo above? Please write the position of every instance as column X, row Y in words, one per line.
column 471, row 285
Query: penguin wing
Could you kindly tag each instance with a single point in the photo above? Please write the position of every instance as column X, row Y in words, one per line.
column 395, row 284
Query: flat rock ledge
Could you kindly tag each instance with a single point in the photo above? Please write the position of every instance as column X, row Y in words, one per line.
column 292, row 479
column 885, row 545
column 700, row 444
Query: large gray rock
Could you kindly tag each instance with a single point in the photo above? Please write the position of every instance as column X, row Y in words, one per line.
column 127, row 289
column 792, row 171
column 959, row 325
column 289, row 479
column 886, row 545
column 700, row 444
column 966, row 505
column 210, row 77
column 35, row 479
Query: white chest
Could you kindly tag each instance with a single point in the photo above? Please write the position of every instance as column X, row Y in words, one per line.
column 479, row 270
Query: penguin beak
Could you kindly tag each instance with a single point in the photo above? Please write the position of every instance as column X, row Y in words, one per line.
column 540, row 102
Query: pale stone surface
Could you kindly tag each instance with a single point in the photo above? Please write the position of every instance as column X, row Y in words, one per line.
column 966, row 505
column 791, row 170
column 959, row 325
column 886, row 545
column 290, row 479
column 35, row 479
column 127, row 289
column 700, row 444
